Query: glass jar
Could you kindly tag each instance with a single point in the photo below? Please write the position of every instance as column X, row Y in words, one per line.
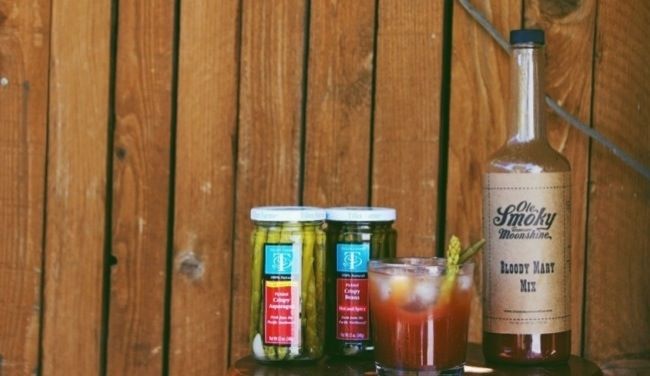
column 287, row 283
column 354, row 236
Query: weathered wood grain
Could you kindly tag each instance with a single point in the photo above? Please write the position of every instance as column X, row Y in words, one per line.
column 480, row 87
column 405, row 145
column 205, row 166
column 339, row 103
column 76, row 186
column 223, row 169
column 569, row 31
column 24, row 54
column 269, row 138
column 141, row 160
column 617, row 319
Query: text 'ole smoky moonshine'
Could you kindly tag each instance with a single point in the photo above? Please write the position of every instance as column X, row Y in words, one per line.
column 524, row 221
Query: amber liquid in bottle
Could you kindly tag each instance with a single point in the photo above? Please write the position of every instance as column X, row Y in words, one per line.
column 527, row 155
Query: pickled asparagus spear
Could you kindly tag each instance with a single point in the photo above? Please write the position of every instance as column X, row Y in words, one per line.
column 282, row 352
column 292, row 233
column 320, row 271
column 309, row 240
column 307, row 295
column 269, row 351
column 273, row 237
column 320, row 254
column 258, row 239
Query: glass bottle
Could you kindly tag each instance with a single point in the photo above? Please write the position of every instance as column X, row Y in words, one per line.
column 526, row 219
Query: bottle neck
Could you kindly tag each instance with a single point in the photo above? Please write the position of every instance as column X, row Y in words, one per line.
column 526, row 96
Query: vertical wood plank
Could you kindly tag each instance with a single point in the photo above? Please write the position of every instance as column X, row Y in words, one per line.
column 143, row 102
column 269, row 139
column 569, row 31
column 407, row 117
column 480, row 87
column 617, row 319
column 76, row 187
column 205, row 164
column 338, row 111
column 24, row 53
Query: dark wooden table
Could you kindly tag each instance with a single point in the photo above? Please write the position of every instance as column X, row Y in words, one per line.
column 476, row 365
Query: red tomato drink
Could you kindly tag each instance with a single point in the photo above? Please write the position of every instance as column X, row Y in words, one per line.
column 420, row 315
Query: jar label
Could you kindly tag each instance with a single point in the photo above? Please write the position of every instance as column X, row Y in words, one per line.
column 526, row 270
column 352, row 291
column 282, row 278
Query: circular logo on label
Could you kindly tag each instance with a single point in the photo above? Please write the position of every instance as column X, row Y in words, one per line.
column 282, row 262
column 352, row 259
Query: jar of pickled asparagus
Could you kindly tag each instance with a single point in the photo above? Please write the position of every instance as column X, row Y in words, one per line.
column 354, row 236
column 287, row 284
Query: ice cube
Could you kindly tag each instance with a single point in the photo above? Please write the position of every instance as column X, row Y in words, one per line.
column 465, row 282
column 426, row 291
column 383, row 286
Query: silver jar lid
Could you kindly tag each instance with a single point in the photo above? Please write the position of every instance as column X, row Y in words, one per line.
column 287, row 214
column 361, row 214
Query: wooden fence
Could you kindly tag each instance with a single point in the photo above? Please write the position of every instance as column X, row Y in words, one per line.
column 136, row 136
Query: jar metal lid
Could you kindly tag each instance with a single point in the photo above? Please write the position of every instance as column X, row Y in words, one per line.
column 361, row 214
column 287, row 213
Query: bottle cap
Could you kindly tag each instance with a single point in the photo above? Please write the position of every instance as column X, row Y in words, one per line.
column 287, row 214
column 527, row 36
column 361, row 214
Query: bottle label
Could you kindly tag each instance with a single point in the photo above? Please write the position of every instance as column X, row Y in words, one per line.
column 282, row 278
column 528, row 253
column 352, row 291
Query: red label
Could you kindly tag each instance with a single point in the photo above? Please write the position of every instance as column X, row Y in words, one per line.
column 352, row 309
column 281, row 313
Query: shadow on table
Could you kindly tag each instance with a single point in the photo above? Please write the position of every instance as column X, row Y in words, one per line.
column 476, row 365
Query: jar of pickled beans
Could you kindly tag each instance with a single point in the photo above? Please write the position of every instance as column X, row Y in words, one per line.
column 354, row 236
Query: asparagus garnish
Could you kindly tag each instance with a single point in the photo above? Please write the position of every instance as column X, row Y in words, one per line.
column 471, row 251
column 456, row 257
column 453, row 255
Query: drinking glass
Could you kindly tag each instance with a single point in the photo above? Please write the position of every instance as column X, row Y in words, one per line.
column 420, row 314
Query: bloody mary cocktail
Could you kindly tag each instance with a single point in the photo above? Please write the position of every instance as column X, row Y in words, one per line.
column 420, row 314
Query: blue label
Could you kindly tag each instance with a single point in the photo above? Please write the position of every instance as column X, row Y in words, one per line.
column 278, row 259
column 352, row 257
